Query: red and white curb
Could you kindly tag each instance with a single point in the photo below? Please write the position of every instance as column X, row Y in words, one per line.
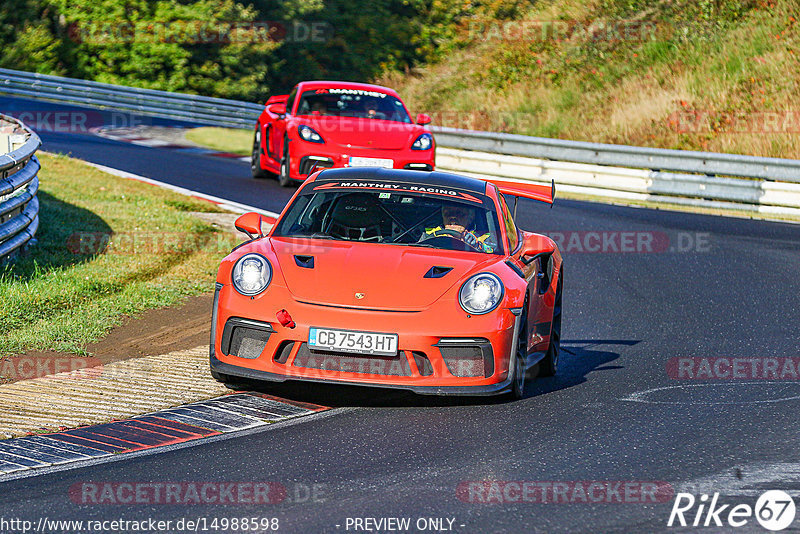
column 190, row 422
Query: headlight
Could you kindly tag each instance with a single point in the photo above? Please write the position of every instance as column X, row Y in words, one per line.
column 307, row 133
column 481, row 293
column 251, row 274
column 423, row 142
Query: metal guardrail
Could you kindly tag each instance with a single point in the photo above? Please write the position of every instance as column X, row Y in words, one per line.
column 709, row 163
column 760, row 196
column 767, row 185
column 193, row 108
column 19, row 182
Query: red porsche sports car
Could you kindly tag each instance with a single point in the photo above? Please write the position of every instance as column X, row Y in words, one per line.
column 395, row 278
column 338, row 124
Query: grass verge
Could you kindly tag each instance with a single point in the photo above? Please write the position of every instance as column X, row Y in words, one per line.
column 108, row 248
column 230, row 140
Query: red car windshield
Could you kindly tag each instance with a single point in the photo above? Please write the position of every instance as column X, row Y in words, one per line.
column 401, row 218
column 352, row 103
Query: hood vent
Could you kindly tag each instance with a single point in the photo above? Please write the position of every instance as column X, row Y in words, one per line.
column 437, row 272
column 306, row 262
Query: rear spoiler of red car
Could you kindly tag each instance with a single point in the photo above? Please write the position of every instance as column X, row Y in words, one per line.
column 542, row 193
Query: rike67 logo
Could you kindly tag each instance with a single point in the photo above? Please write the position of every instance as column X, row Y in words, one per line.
column 774, row 510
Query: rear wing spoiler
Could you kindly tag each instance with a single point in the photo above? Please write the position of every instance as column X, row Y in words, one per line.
column 542, row 193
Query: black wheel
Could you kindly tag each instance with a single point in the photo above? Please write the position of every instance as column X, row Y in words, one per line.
column 283, row 176
column 518, row 381
column 549, row 365
column 255, row 156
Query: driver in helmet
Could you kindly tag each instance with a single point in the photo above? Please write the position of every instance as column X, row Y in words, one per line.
column 458, row 222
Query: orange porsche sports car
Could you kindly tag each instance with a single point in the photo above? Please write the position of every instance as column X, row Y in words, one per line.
column 394, row 278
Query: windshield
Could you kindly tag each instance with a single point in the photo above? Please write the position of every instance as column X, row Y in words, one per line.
column 402, row 216
column 352, row 103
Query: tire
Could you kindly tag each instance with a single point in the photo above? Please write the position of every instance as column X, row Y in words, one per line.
column 283, row 177
column 228, row 381
column 549, row 365
column 518, row 381
column 219, row 377
column 255, row 156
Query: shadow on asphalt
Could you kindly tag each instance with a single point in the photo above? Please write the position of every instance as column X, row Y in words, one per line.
column 578, row 359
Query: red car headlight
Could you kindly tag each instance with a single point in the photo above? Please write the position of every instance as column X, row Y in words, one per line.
column 423, row 142
column 307, row 133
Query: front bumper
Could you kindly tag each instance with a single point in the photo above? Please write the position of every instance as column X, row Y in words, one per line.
column 420, row 365
column 304, row 155
column 251, row 374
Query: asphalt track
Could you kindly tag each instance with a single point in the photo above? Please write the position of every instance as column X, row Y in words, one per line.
column 613, row 412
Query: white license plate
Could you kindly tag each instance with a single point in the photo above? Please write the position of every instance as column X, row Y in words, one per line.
column 351, row 341
column 356, row 161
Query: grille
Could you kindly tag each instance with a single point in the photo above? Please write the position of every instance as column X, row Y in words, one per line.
column 245, row 339
column 469, row 359
column 352, row 363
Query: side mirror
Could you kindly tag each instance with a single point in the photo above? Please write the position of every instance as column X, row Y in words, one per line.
column 423, row 119
column 277, row 109
column 250, row 224
column 535, row 246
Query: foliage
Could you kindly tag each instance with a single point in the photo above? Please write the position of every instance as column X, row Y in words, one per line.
column 155, row 44
column 716, row 75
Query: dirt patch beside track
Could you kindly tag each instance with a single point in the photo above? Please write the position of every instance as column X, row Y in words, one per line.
column 152, row 333
column 158, row 331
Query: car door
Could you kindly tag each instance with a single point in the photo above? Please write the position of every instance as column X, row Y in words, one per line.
column 277, row 129
column 539, row 313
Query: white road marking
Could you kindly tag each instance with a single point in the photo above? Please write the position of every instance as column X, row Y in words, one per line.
column 641, row 396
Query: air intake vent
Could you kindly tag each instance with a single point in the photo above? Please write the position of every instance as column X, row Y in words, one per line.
column 423, row 363
column 244, row 338
column 437, row 272
column 283, row 352
column 306, row 262
column 467, row 357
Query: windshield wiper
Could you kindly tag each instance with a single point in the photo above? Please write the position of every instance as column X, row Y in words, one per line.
column 427, row 245
column 313, row 236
